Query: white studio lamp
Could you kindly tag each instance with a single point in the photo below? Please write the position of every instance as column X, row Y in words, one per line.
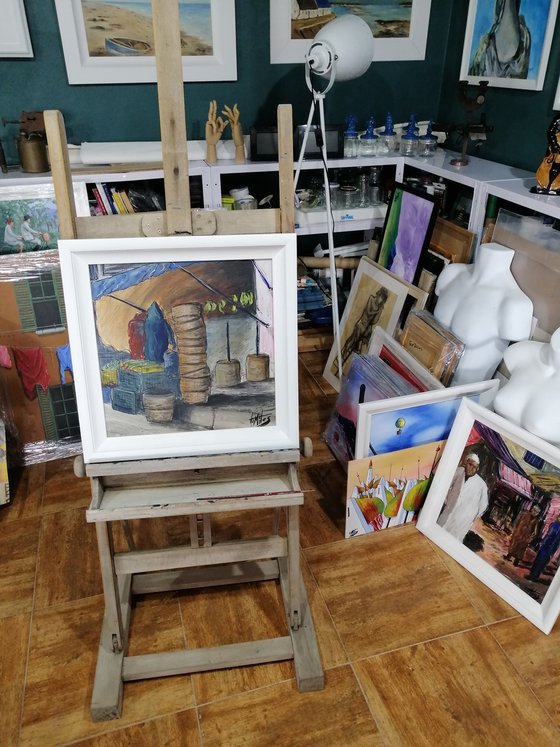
column 341, row 50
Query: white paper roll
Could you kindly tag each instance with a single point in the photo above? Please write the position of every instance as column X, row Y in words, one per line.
column 130, row 152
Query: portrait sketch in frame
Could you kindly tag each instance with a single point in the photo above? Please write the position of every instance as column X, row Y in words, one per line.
column 376, row 298
column 502, row 523
column 183, row 345
column 94, row 52
column 516, row 62
column 400, row 30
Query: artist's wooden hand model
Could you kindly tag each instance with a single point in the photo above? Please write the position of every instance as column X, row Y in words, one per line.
column 236, row 132
column 214, row 128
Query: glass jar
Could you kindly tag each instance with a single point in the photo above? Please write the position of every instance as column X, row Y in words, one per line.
column 350, row 144
column 367, row 146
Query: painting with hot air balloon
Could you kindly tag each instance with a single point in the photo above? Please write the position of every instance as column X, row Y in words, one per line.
column 389, row 489
column 412, row 420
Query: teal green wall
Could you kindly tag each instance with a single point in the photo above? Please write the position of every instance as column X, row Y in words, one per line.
column 520, row 118
column 129, row 112
column 427, row 87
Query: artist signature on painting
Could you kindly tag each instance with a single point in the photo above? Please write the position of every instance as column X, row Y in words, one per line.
column 258, row 419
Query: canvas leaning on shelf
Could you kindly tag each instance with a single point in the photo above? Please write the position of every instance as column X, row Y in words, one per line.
column 377, row 299
column 432, row 344
column 178, row 356
column 505, row 526
column 396, row 357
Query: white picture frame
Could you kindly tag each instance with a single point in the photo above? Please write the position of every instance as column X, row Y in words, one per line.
column 428, row 417
column 83, row 68
column 168, row 273
column 14, row 31
column 284, row 49
column 538, row 21
column 360, row 317
column 538, row 601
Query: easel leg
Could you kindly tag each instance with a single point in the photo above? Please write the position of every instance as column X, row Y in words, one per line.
column 294, row 572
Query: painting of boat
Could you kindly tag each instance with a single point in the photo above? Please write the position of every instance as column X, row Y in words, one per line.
column 308, row 16
column 121, row 45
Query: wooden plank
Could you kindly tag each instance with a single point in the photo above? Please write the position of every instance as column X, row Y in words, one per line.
column 171, row 98
column 110, row 583
column 286, row 168
column 202, row 577
column 121, row 226
column 60, row 169
column 294, row 572
column 205, row 659
column 307, row 659
column 186, row 557
column 107, row 695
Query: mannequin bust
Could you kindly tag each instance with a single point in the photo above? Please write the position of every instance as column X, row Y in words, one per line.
column 485, row 308
column 531, row 397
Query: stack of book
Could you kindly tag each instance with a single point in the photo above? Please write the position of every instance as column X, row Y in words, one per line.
column 110, row 200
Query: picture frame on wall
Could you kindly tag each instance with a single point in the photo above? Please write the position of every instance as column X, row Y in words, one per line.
column 407, row 230
column 29, row 216
column 488, row 55
column 14, row 31
column 376, row 298
column 505, row 529
column 94, row 53
column 400, row 30
column 178, row 356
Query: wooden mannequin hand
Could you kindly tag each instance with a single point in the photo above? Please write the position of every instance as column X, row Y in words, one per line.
column 236, row 132
column 214, row 128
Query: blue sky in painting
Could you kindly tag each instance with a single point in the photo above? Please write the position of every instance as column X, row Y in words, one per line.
column 423, row 424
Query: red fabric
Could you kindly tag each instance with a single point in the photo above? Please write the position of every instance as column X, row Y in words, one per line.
column 5, row 360
column 32, row 368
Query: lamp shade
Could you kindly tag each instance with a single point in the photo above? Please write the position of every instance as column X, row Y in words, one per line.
column 342, row 49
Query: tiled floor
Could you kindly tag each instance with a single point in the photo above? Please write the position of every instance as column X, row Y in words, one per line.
column 415, row 650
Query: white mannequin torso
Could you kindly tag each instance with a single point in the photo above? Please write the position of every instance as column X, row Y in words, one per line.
column 485, row 308
column 531, row 397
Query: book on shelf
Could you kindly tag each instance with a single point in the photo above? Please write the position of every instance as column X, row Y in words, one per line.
column 126, row 201
column 103, row 197
column 99, row 201
column 112, row 207
column 118, row 201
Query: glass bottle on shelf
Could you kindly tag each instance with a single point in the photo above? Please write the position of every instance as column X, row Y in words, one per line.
column 376, row 192
column 351, row 137
column 427, row 143
column 409, row 141
column 368, row 141
column 387, row 142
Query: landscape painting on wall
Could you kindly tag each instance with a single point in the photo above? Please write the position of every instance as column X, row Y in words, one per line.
column 173, row 352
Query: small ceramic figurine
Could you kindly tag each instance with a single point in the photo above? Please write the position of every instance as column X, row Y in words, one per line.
column 548, row 173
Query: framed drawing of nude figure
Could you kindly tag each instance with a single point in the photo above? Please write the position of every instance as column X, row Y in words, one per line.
column 507, row 42
column 113, row 42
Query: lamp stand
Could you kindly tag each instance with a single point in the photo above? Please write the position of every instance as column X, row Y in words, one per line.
column 318, row 100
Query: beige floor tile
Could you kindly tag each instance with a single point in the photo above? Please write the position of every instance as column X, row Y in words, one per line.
column 18, row 560
column 68, row 565
column 535, row 656
column 13, row 660
column 62, row 662
column 459, row 690
column 235, row 614
column 388, row 590
column 63, row 490
column 281, row 716
column 26, row 493
column 321, row 519
column 175, row 730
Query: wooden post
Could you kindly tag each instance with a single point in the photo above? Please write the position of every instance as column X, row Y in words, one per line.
column 62, row 177
column 286, row 168
column 171, row 97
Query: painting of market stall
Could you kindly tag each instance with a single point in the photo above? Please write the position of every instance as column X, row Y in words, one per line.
column 175, row 345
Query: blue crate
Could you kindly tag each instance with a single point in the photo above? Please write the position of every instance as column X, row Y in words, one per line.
column 140, row 382
column 125, row 400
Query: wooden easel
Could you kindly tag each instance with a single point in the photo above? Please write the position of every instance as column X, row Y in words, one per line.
column 196, row 487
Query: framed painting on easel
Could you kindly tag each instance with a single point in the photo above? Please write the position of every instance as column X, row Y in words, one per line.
column 112, row 42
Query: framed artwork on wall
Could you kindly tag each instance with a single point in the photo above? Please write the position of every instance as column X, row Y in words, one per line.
column 175, row 355
column 407, row 230
column 508, row 43
column 400, row 29
column 14, row 32
column 494, row 506
column 112, row 42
